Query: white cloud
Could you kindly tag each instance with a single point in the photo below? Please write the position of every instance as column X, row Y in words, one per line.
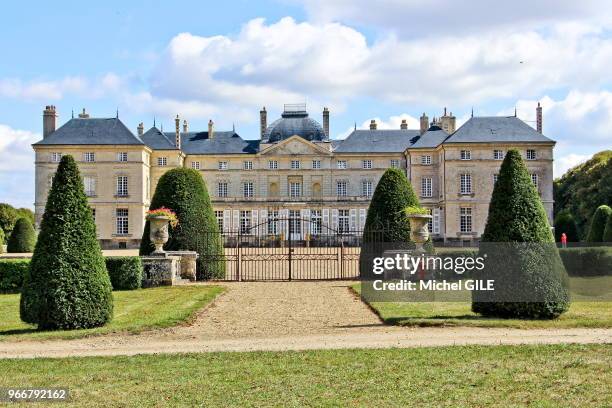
column 563, row 164
column 16, row 169
column 52, row 90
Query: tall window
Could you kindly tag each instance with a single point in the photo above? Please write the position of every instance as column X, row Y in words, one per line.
column 295, row 164
column 531, row 154
column 466, row 155
column 245, row 222
column 342, row 164
column 395, row 164
column 162, row 161
column 90, row 186
column 56, row 157
column 426, row 159
column 295, row 223
column 273, row 222
column 534, row 179
column 316, row 222
column 316, row 164
column 366, row 188
column 426, row 187
column 90, row 157
column 222, row 189
column 122, row 216
column 272, row 164
column 366, row 164
column 343, row 221
column 247, row 189
column 219, row 217
column 430, row 222
column 295, row 189
column 195, row 165
column 498, row 154
column 341, row 189
column 247, row 165
column 465, row 219
column 122, row 156
column 466, row 184
column 222, row 165
column 122, row 186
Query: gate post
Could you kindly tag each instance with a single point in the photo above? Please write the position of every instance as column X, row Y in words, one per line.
column 238, row 256
column 290, row 250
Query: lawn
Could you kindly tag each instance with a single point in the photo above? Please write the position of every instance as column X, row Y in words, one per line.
column 580, row 314
column 552, row 375
column 135, row 311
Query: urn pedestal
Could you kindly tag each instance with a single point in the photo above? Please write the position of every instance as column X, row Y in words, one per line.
column 419, row 233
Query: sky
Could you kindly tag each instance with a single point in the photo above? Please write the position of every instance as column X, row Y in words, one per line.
column 364, row 59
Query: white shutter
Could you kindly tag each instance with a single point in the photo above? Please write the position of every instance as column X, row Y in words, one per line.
column 325, row 221
column 283, row 225
column 227, row 220
column 436, row 221
column 353, row 219
column 334, row 219
column 306, row 222
column 263, row 218
column 255, row 222
column 362, row 218
column 236, row 222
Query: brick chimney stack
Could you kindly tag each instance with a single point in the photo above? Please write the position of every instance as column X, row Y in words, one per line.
column 185, row 126
column 326, row 121
column 263, row 121
column 177, row 132
column 373, row 125
column 404, row 124
column 211, row 129
column 49, row 117
column 140, row 129
column 539, row 118
column 424, row 123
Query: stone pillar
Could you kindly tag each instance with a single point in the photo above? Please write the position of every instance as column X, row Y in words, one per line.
column 211, row 129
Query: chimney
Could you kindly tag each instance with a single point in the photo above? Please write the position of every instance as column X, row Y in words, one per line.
column 263, row 121
column 177, row 132
column 424, row 122
column 49, row 116
column 404, row 125
column 84, row 115
column 140, row 129
column 539, row 118
column 326, row 121
column 185, row 126
column 211, row 129
column 372, row 124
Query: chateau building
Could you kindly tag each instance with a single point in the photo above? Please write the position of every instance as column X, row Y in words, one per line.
column 293, row 170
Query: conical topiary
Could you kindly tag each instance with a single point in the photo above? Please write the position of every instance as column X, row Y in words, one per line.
column 607, row 235
column 522, row 260
column 23, row 237
column 67, row 285
column 565, row 224
column 598, row 223
column 183, row 191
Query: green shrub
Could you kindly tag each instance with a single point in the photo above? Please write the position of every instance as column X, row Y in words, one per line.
column 565, row 223
column 23, row 237
column 184, row 192
column 517, row 222
column 607, row 235
column 592, row 261
column 67, row 285
column 125, row 272
column 8, row 217
column 12, row 272
column 1, row 240
column 598, row 223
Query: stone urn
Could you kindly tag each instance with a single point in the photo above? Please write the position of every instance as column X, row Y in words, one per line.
column 158, row 232
column 418, row 229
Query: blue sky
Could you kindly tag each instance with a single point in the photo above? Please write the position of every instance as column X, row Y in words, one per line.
column 387, row 59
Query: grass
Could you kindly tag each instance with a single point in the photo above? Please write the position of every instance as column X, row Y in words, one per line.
column 135, row 311
column 543, row 376
column 580, row 314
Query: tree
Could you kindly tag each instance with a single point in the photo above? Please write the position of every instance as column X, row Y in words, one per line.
column 598, row 223
column 183, row 191
column 23, row 237
column 565, row 223
column 67, row 285
column 1, row 240
column 8, row 217
column 25, row 213
column 607, row 235
column 522, row 260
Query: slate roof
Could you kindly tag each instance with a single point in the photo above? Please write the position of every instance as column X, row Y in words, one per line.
column 495, row 129
column 377, row 141
column 223, row 142
column 92, row 131
column 294, row 123
column 430, row 139
column 156, row 140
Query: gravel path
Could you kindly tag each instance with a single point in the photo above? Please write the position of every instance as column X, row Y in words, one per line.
column 290, row 316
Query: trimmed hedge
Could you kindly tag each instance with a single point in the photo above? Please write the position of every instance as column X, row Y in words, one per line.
column 607, row 235
column 12, row 272
column 591, row 261
column 598, row 223
column 516, row 219
column 23, row 237
column 67, row 286
column 125, row 272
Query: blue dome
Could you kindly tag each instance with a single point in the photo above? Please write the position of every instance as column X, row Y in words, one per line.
column 294, row 123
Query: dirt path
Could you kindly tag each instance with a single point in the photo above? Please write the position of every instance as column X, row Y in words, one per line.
column 290, row 316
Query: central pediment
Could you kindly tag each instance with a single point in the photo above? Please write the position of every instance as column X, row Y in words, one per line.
column 296, row 145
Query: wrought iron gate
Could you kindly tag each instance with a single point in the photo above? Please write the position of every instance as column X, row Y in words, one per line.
column 289, row 249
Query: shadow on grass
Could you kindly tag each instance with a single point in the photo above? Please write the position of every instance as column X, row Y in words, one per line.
column 20, row 331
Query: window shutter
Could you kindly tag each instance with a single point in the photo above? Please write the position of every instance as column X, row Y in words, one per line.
column 227, row 220
column 335, row 219
column 326, row 220
column 236, row 223
column 255, row 222
column 436, row 221
column 353, row 219
column 305, row 222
